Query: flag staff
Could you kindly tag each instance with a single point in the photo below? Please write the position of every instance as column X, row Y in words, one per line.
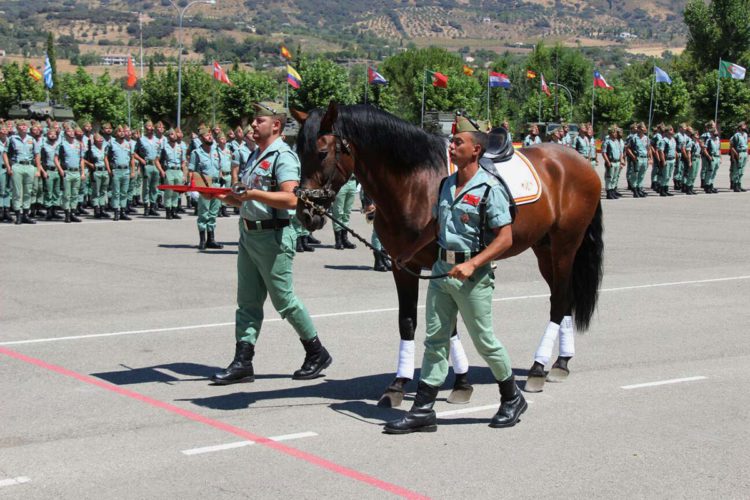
column 718, row 87
column 488, row 93
column 593, row 96
column 421, row 122
column 129, row 92
column 539, row 115
column 367, row 80
column 651, row 105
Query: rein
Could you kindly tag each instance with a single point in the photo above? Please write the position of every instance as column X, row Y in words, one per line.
column 307, row 196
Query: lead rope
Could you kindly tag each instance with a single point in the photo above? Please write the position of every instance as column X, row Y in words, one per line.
column 321, row 211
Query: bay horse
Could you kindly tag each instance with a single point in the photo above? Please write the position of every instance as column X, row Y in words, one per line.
column 400, row 167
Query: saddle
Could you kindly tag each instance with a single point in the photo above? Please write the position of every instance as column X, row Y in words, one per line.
column 500, row 148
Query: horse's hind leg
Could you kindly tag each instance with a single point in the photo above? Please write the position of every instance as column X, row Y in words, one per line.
column 560, row 371
column 536, row 375
column 462, row 389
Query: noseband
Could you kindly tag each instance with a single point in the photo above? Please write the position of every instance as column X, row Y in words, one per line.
column 314, row 197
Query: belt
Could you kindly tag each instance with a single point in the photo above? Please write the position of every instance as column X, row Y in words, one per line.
column 174, row 168
column 70, row 169
column 22, row 163
column 101, row 169
column 257, row 225
column 117, row 167
column 452, row 257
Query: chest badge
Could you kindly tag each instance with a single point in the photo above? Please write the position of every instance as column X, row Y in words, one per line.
column 465, row 218
column 471, row 199
column 265, row 165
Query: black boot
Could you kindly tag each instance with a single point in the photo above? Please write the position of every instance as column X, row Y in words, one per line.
column 306, row 244
column 202, row 242
column 317, row 359
column 713, row 189
column 512, row 404
column 124, row 215
column 666, row 191
column 67, row 217
column 146, row 210
column 742, row 190
column 152, row 210
column 379, row 264
column 117, row 215
column 241, row 367
column 211, row 241
column 610, row 196
column 223, row 211
column 25, row 217
column 18, row 217
column 642, row 192
column 103, row 213
column 55, row 215
column 312, row 240
column 97, row 213
column 299, row 247
column 73, row 217
column 345, row 241
column 169, row 213
column 421, row 417
column 175, row 214
column 338, row 245
column 617, row 193
column 6, row 215
column 129, row 209
column 50, row 212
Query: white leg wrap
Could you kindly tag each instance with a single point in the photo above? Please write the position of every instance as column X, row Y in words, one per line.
column 544, row 351
column 458, row 356
column 567, row 337
column 406, row 360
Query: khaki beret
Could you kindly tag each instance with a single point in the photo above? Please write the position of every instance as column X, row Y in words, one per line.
column 268, row 108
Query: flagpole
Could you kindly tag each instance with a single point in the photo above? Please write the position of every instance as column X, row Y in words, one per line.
column 213, row 105
column 421, row 122
column 367, row 83
column 718, row 87
column 286, row 94
column 539, row 117
column 129, row 92
column 593, row 97
column 651, row 105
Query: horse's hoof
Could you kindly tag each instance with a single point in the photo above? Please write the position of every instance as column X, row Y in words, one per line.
column 558, row 374
column 391, row 399
column 534, row 384
column 460, row 396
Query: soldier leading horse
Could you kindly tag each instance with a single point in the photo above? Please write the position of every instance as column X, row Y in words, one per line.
column 400, row 167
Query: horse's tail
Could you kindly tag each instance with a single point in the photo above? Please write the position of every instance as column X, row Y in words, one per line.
column 587, row 272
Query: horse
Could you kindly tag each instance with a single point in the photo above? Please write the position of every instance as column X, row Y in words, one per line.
column 400, row 166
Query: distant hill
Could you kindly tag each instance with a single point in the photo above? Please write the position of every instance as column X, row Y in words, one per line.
column 373, row 27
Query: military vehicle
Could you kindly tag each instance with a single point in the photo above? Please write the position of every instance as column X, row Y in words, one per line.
column 31, row 110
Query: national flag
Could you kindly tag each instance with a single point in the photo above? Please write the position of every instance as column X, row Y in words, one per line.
column 220, row 74
column 375, row 78
column 599, row 81
column 731, row 70
column 499, row 80
column 545, row 89
column 468, row 71
column 285, row 53
column 436, row 79
column 132, row 79
column 530, row 74
column 34, row 73
column 661, row 76
column 48, row 73
column 292, row 77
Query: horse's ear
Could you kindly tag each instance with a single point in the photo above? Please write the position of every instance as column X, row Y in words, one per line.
column 299, row 115
column 326, row 123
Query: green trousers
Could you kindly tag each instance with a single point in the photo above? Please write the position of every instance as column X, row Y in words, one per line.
column 342, row 206
column 612, row 175
column 174, row 176
column 638, row 173
column 37, row 190
column 23, row 180
column 656, row 172
column 71, row 186
column 375, row 241
column 264, row 268
column 679, row 169
column 53, row 190
column 737, row 168
column 666, row 172
column 134, row 188
column 100, row 184
column 629, row 170
column 473, row 299
column 208, row 210
column 691, row 172
column 85, row 190
column 150, row 181
column 5, row 190
column 120, row 187
column 299, row 228
column 709, row 169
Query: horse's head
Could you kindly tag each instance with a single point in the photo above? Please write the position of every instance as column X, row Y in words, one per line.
column 327, row 163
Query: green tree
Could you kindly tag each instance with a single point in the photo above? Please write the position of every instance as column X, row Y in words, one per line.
column 529, row 111
column 17, row 85
column 671, row 102
column 611, row 107
column 100, row 99
column 734, row 101
column 720, row 29
column 247, row 87
column 159, row 98
column 323, row 81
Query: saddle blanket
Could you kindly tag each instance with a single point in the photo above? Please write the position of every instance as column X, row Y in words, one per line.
column 521, row 177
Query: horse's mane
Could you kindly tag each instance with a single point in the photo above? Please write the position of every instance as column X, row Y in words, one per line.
column 401, row 145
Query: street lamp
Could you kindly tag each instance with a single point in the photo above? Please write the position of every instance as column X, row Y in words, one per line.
column 570, row 97
column 179, row 54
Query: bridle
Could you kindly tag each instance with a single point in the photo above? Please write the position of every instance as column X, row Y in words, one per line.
column 313, row 198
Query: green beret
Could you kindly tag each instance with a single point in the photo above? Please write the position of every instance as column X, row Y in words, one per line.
column 203, row 130
column 248, row 129
column 463, row 124
column 148, row 123
column 22, row 122
column 106, row 125
column 268, row 108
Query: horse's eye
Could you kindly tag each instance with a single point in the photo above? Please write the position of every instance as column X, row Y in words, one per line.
column 322, row 155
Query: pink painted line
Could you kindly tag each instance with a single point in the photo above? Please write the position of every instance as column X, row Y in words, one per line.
column 275, row 445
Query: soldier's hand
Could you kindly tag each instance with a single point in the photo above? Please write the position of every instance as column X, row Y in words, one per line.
column 462, row 271
column 44, row 174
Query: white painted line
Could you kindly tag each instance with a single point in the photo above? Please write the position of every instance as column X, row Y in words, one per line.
column 240, row 444
column 360, row 312
column 473, row 409
column 663, row 382
column 14, row 481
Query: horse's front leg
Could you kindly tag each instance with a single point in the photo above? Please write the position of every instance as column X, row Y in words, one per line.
column 407, row 287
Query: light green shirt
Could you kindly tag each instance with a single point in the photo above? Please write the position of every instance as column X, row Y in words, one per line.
column 266, row 171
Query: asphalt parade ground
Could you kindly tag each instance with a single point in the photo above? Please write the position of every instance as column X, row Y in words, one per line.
column 108, row 332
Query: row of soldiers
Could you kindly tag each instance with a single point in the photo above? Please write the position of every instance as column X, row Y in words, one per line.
column 51, row 165
column 675, row 156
